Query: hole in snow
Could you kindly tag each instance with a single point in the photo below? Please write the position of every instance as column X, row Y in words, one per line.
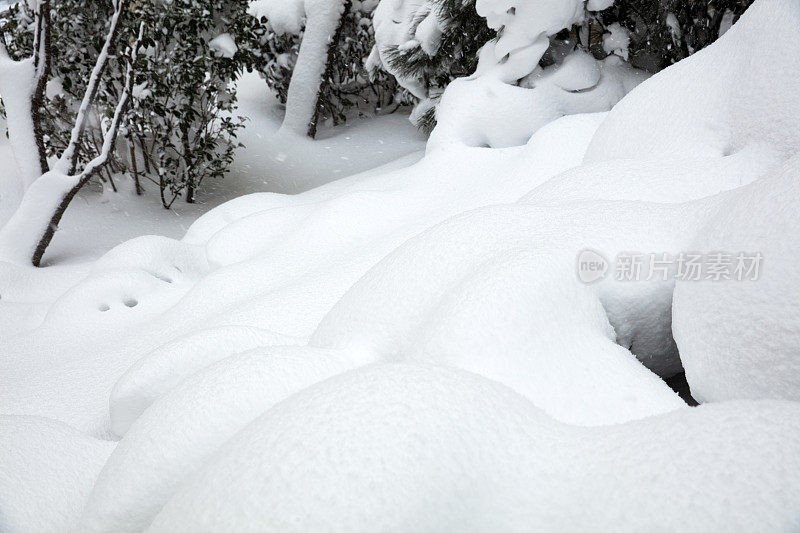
column 165, row 279
column 104, row 307
column 130, row 302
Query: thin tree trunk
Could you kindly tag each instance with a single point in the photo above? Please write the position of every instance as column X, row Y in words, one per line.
column 31, row 229
column 186, row 139
column 328, row 74
column 17, row 83
column 42, row 62
column 109, row 140
column 135, row 168
column 323, row 26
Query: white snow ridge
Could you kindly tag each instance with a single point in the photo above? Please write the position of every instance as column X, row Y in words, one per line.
column 410, row 348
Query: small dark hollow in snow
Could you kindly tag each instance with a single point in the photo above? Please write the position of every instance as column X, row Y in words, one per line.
column 130, row 302
column 165, row 279
column 103, row 308
column 679, row 384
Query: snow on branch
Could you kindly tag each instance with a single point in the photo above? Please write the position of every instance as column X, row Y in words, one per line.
column 69, row 159
column 110, row 136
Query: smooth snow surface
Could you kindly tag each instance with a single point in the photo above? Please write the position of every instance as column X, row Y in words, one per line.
column 485, row 111
column 751, row 105
column 47, row 470
column 741, row 339
column 411, row 348
column 424, row 448
column 190, row 423
column 165, row 367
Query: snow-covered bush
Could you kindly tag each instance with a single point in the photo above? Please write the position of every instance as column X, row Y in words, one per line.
column 426, row 45
column 179, row 128
column 663, row 32
column 182, row 121
column 537, row 69
column 351, row 86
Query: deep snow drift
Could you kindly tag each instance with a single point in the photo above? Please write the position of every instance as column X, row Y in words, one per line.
column 414, row 349
column 460, row 453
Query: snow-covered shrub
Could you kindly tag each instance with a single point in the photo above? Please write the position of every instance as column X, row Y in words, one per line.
column 351, row 85
column 537, row 69
column 181, row 120
column 425, row 45
column 179, row 129
column 663, row 32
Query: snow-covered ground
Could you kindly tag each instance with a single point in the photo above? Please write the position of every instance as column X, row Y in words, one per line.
column 97, row 220
column 452, row 343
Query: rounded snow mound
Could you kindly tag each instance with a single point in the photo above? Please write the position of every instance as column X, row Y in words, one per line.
column 424, row 448
column 739, row 336
column 444, row 296
column 178, row 433
column 165, row 367
column 739, row 92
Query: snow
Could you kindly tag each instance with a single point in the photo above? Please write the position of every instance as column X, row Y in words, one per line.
column 599, row 5
column 525, row 27
column 727, row 21
column 47, row 470
column 411, row 347
column 485, row 111
column 165, row 367
column 292, row 164
column 760, row 315
column 268, row 163
column 22, row 232
column 309, row 269
column 285, row 16
column 424, row 448
column 224, row 44
column 395, row 23
column 510, row 96
column 190, row 423
column 616, row 40
column 17, row 79
column 322, row 20
column 429, row 33
column 721, row 122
